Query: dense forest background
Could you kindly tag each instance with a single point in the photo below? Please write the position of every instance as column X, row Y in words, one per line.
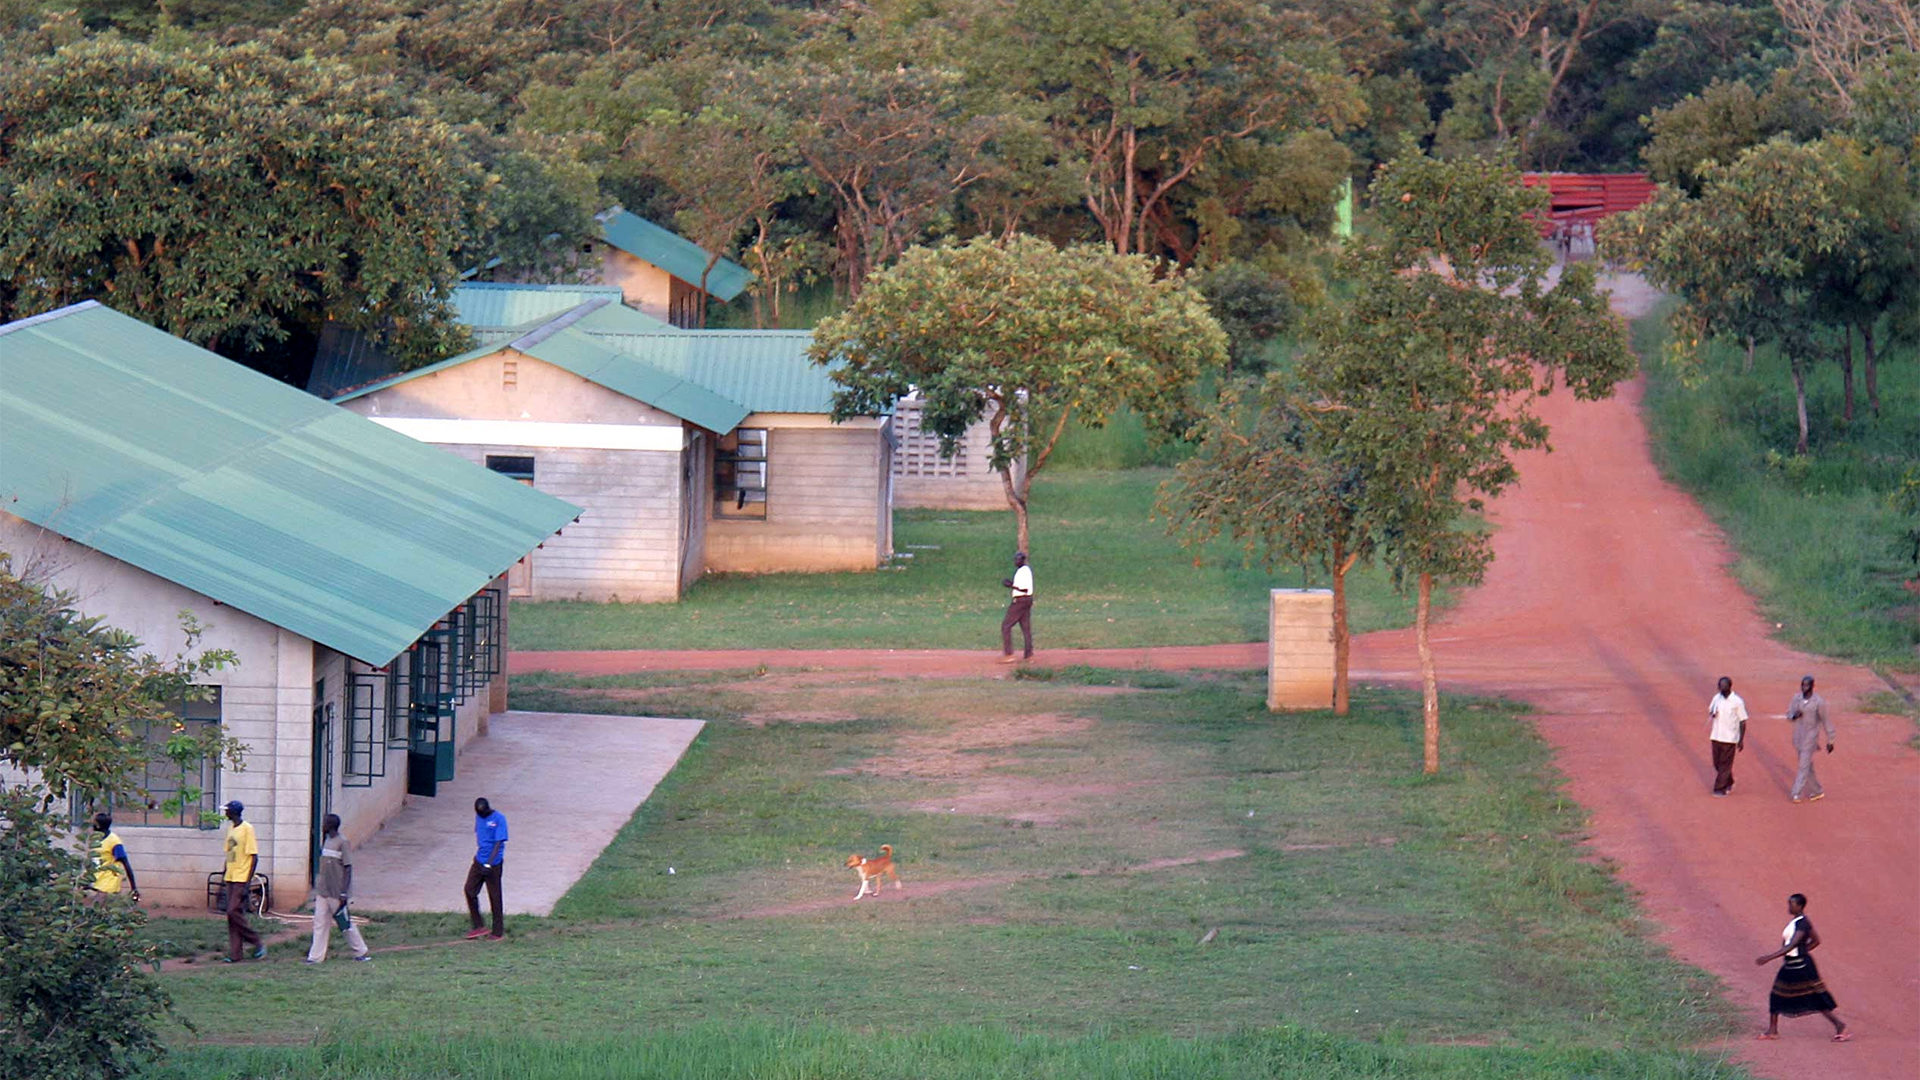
column 241, row 171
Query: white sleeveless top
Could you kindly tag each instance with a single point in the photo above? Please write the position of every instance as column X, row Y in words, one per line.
column 1786, row 935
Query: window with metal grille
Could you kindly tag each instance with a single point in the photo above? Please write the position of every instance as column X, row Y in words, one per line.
column 740, row 475
column 182, row 789
column 368, row 729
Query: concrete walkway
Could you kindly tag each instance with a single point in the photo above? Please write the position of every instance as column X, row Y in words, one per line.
column 566, row 782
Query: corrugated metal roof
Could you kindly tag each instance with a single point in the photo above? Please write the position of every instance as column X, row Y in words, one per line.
column 194, row 468
column 672, row 252
column 765, row 370
column 490, row 304
column 590, row 356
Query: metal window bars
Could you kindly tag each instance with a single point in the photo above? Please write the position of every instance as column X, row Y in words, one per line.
column 368, row 700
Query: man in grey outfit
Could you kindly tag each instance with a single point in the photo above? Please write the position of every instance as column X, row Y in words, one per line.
column 1808, row 712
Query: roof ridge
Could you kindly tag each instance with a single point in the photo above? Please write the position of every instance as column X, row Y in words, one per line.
column 553, row 285
column 558, row 323
column 47, row 316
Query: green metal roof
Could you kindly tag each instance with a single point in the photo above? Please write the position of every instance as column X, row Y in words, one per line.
column 591, row 358
column 672, row 252
column 189, row 466
column 492, row 305
column 765, row 370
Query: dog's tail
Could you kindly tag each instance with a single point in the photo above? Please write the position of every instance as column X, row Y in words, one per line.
column 887, row 850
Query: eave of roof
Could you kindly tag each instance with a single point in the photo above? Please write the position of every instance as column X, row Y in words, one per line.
column 165, row 456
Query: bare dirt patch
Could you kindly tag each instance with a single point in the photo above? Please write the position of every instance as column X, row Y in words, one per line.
column 973, row 749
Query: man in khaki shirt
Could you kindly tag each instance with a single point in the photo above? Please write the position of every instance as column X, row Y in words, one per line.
column 332, row 885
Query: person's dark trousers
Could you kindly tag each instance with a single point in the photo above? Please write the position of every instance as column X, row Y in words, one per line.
column 240, row 932
column 476, row 876
column 1019, row 613
column 1723, row 765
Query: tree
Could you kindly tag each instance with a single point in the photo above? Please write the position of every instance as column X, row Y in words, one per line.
column 1253, row 306
column 1720, row 122
column 1015, row 332
column 75, row 695
column 1140, row 96
column 1518, row 55
column 1845, row 41
column 1425, row 380
column 230, row 197
column 727, row 168
column 1759, row 253
column 1260, row 476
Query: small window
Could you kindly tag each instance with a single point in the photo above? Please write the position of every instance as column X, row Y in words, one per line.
column 512, row 466
column 740, row 475
column 183, row 790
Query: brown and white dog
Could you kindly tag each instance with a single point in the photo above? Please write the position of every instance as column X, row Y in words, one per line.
column 872, row 870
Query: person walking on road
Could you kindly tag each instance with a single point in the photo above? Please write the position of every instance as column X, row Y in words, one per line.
column 1798, row 988
column 243, row 858
column 111, row 867
column 1729, row 734
column 332, row 886
column 490, row 840
column 1019, row 609
column 1808, row 712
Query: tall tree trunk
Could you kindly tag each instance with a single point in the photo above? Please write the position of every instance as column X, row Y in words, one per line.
column 1342, row 633
column 1873, row 364
column 1799, row 367
column 1749, row 368
column 1846, row 378
column 1429, row 687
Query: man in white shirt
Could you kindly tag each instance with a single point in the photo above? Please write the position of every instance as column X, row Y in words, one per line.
column 1019, row 609
column 1729, row 734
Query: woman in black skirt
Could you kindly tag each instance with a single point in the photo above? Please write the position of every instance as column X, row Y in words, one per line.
column 1798, row 990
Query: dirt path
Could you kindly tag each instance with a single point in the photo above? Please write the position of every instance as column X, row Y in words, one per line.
column 1610, row 609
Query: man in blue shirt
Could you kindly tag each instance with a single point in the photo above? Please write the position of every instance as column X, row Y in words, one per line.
column 489, row 860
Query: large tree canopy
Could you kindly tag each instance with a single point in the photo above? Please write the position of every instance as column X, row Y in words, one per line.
column 1025, row 336
column 231, row 197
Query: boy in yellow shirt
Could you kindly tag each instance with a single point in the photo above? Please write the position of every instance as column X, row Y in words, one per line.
column 110, row 860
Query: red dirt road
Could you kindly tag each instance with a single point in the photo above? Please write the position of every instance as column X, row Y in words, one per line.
column 1610, row 609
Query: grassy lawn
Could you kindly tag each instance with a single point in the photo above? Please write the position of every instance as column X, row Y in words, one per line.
column 1106, row 572
column 1817, row 542
column 1107, row 874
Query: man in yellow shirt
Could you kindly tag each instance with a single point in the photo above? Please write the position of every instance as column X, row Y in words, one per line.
column 109, row 860
column 243, row 858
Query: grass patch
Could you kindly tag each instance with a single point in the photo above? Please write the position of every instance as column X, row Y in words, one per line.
column 1818, row 545
column 818, row 1052
column 1066, row 845
column 1108, row 576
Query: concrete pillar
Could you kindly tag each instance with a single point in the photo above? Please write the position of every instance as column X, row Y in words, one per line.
column 1300, row 649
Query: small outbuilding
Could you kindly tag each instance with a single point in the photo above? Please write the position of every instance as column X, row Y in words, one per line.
column 358, row 575
column 661, row 273
column 691, row 451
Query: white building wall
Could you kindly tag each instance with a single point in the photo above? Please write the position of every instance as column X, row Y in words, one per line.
column 266, row 702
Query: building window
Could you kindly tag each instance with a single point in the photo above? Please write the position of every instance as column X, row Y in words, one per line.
column 182, row 786
column 740, row 475
column 512, row 466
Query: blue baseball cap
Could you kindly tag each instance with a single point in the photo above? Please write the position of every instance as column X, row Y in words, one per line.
column 235, row 805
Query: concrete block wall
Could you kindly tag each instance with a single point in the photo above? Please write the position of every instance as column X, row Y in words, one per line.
column 1300, row 649
column 824, row 493
column 626, row 545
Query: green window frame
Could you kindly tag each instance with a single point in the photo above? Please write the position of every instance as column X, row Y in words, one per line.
column 163, row 778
